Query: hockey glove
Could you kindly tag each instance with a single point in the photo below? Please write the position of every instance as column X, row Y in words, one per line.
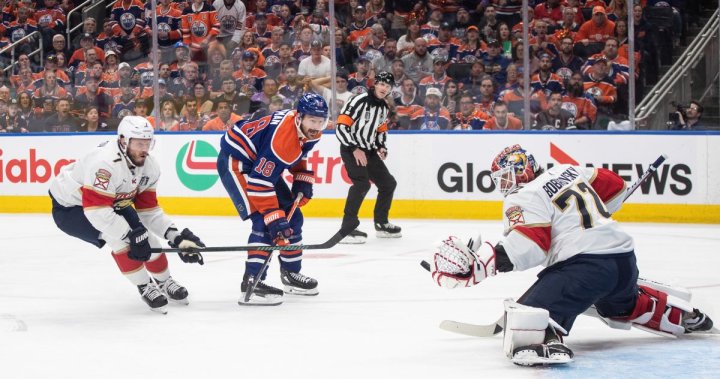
column 277, row 224
column 455, row 264
column 139, row 244
column 303, row 183
column 186, row 240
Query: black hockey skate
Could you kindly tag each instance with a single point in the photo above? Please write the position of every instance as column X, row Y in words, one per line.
column 174, row 291
column 553, row 351
column 153, row 297
column 697, row 322
column 355, row 237
column 542, row 354
column 262, row 295
column 387, row 230
column 298, row 284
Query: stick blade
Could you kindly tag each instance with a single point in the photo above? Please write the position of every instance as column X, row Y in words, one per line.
column 472, row 330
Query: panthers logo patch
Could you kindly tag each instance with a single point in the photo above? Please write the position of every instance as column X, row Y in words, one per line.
column 515, row 216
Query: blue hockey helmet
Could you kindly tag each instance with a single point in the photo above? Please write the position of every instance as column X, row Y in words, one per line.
column 313, row 104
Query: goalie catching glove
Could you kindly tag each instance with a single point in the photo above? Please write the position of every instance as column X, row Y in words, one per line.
column 457, row 264
column 186, row 240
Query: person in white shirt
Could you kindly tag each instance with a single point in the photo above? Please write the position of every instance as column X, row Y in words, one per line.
column 316, row 65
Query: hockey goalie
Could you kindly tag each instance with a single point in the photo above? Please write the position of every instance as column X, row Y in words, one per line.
column 560, row 218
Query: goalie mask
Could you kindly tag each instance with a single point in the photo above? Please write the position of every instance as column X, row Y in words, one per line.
column 512, row 168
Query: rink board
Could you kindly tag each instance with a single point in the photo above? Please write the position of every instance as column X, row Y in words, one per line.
column 439, row 175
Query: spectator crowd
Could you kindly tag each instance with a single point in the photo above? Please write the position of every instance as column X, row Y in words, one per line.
column 458, row 65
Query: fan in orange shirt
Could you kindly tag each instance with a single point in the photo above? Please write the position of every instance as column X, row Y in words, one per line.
column 225, row 118
column 501, row 120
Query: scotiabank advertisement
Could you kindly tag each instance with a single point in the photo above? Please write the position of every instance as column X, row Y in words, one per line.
column 427, row 166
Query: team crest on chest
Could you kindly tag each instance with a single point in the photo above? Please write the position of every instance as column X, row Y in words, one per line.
column 515, row 216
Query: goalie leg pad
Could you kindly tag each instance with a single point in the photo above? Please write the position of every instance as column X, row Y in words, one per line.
column 656, row 311
column 531, row 337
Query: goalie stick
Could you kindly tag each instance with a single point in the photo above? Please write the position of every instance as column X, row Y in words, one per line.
column 492, row 329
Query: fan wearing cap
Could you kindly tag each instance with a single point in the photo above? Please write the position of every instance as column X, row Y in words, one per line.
column 362, row 128
column 359, row 28
column 199, row 26
column 600, row 87
column 316, row 65
column 495, row 62
column 597, row 29
column 362, row 79
column 472, row 47
column 249, row 77
column 433, row 116
column 13, row 121
column 620, row 69
column 168, row 21
column 445, row 41
column 438, row 79
column 87, row 41
column 255, row 155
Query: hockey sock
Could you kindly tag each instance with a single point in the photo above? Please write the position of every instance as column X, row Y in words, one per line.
column 255, row 261
column 291, row 260
column 158, row 267
column 133, row 270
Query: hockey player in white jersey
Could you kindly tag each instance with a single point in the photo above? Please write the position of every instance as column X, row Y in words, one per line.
column 561, row 219
column 93, row 200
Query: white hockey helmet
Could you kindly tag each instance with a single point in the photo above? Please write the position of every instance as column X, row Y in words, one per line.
column 135, row 127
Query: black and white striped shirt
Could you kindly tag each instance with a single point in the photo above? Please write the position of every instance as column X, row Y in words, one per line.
column 363, row 122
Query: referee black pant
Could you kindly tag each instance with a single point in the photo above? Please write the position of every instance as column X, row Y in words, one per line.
column 361, row 177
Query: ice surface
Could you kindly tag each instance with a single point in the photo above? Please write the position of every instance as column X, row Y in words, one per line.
column 66, row 312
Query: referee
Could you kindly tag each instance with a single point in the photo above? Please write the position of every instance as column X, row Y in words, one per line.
column 362, row 132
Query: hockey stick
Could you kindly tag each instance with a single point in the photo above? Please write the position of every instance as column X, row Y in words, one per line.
column 653, row 167
column 498, row 326
column 337, row 237
column 258, row 276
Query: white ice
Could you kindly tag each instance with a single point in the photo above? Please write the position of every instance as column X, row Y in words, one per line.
column 66, row 312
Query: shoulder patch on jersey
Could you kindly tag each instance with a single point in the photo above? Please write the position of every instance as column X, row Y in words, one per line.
column 515, row 215
column 285, row 142
column 102, row 179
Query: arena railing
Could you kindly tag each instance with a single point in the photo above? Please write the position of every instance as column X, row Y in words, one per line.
column 12, row 47
column 689, row 78
column 79, row 8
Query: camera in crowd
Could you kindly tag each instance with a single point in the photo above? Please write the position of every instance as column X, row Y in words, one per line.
column 680, row 109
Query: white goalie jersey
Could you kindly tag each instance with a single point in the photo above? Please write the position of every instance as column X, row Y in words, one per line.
column 102, row 182
column 564, row 212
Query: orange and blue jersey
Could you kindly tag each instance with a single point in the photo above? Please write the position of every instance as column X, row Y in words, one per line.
column 130, row 18
column 553, row 83
column 258, row 152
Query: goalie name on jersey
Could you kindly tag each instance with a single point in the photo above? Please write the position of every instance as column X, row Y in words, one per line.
column 553, row 186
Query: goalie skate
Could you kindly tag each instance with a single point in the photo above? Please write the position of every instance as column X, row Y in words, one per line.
column 262, row 295
column 355, row 237
column 698, row 322
column 174, row 291
column 153, row 297
column 298, row 284
column 542, row 354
